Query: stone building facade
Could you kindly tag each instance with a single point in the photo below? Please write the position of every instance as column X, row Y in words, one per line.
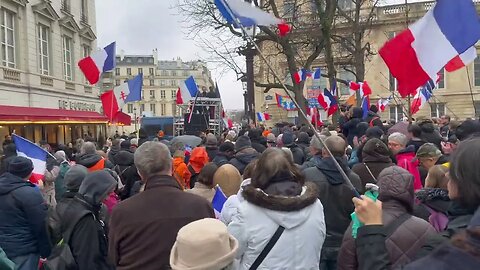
column 458, row 93
column 161, row 79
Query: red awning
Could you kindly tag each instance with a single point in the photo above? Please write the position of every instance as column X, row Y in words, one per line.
column 16, row 114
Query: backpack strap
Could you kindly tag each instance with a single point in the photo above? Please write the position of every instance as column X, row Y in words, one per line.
column 370, row 172
column 395, row 224
column 192, row 171
column 271, row 243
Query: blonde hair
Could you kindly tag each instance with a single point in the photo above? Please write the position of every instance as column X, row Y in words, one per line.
column 228, row 178
column 436, row 177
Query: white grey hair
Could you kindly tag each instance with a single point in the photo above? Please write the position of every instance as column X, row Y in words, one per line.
column 88, row 148
column 399, row 138
column 153, row 158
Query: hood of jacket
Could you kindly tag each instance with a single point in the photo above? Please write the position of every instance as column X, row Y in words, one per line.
column 328, row 168
column 177, row 161
column 427, row 127
column 375, row 150
column 247, row 155
column 89, row 160
column 357, row 112
column 96, row 187
column 123, row 158
column 10, row 182
column 288, row 212
column 396, row 187
column 198, row 158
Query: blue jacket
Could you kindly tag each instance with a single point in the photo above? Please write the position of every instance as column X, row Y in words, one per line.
column 23, row 214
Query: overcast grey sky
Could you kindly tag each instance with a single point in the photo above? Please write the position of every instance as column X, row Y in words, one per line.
column 139, row 26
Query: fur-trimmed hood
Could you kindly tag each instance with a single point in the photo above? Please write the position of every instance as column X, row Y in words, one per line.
column 259, row 198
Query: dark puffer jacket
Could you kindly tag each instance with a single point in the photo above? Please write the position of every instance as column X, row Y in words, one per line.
column 350, row 128
column 396, row 193
column 431, row 134
column 336, row 197
column 23, row 214
column 127, row 171
column 243, row 158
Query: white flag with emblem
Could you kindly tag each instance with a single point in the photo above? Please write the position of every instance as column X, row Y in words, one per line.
column 121, row 93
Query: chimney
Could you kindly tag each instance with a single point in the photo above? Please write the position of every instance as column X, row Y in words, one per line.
column 179, row 62
column 155, row 56
column 122, row 55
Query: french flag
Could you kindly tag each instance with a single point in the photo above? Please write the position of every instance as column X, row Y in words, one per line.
column 420, row 99
column 218, row 201
column 35, row 153
column 100, row 61
column 328, row 102
column 363, row 87
column 301, row 75
column 383, row 103
column 317, row 74
column 462, row 60
column 417, row 54
column 262, row 117
column 114, row 100
column 187, row 91
column 238, row 12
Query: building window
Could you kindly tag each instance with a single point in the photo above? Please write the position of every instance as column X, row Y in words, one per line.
column 152, row 82
column 162, row 83
column 152, row 108
column 8, row 38
column 142, row 108
column 162, row 94
column 476, row 71
column 150, row 71
column 152, row 93
column 164, row 73
column 130, row 108
column 185, row 73
column 288, row 9
column 174, row 94
column 392, row 82
column 140, row 60
column 67, row 58
column 396, row 112
column 86, row 50
column 129, row 71
column 43, row 49
column 441, row 82
column 140, row 71
column 163, row 108
column 117, row 71
column 477, row 109
column 344, row 89
column 173, row 83
column 437, row 109
column 117, row 82
column 129, row 60
column 174, row 73
column 84, row 11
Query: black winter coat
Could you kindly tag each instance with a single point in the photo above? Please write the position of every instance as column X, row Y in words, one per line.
column 243, row 158
column 336, row 197
column 220, row 159
column 127, row 171
column 23, row 218
column 298, row 154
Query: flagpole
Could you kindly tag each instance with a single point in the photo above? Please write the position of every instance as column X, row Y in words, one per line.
column 277, row 77
column 409, row 106
column 193, row 107
column 471, row 91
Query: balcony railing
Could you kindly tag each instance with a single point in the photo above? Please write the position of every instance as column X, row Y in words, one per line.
column 69, row 86
column 11, row 75
column 46, row 81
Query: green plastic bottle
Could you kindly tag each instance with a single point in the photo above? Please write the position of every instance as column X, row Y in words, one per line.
column 372, row 193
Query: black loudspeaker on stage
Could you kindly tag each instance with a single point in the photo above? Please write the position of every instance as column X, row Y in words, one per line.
column 198, row 123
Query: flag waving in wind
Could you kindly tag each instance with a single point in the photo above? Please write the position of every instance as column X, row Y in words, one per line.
column 100, row 61
column 417, row 54
column 114, row 100
column 186, row 91
column 238, row 12
column 35, row 153
column 218, row 201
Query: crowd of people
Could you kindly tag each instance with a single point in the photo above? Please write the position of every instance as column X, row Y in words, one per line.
column 292, row 200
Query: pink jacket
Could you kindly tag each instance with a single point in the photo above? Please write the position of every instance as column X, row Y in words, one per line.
column 405, row 160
